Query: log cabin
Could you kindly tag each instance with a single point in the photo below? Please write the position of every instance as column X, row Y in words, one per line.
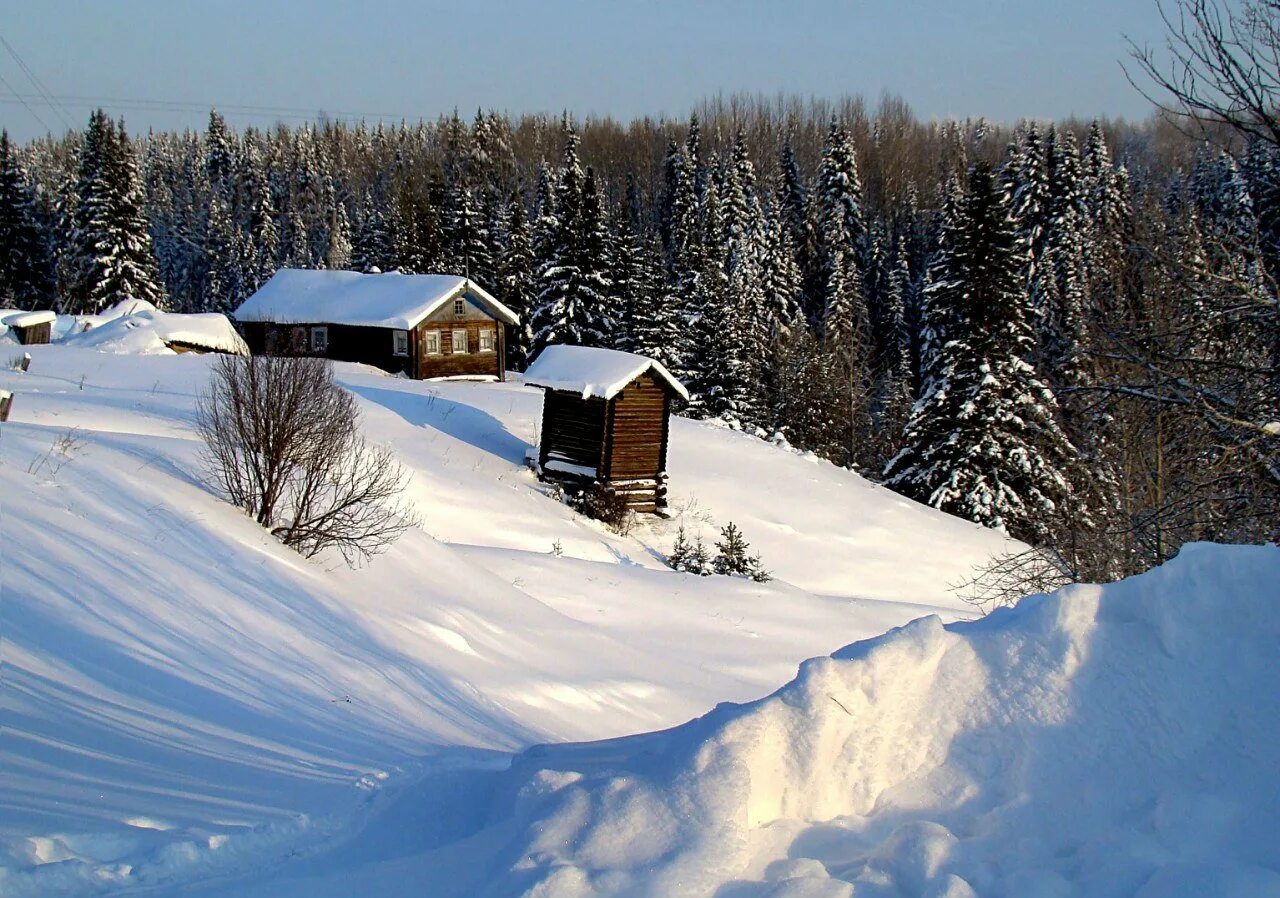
column 29, row 328
column 420, row 325
column 606, row 416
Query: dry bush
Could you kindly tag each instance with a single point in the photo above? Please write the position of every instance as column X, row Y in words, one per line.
column 282, row 440
column 607, row 506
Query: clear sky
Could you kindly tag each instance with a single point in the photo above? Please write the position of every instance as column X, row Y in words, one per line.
column 1003, row 59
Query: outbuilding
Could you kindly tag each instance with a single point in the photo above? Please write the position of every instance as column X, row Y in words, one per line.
column 29, row 328
column 606, row 417
column 422, row 325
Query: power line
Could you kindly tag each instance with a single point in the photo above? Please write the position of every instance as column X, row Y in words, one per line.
column 147, row 105
column 36, row 82
column 24, row 103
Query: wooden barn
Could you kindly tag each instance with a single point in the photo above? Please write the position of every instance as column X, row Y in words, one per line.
column 29, row 328
column 605, row 419
column 422, row 325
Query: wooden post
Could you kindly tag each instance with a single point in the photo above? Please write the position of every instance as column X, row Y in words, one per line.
column 6, row 402
column 26, row 361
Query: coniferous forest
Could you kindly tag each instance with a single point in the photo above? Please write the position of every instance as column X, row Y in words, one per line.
column 1066, row 330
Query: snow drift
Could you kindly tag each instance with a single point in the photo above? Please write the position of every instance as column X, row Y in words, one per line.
column 1118, row 740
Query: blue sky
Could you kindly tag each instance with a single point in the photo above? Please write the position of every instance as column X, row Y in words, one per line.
column 1005, row 59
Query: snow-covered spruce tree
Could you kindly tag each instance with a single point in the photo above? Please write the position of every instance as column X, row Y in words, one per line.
column 26, row 274
column 731, row 556
column 845, row 325
column 797, row 226
column 372, row 247
column 716, row 372
column 226, row 281
column 573, row 296
column 984, row 442
column 633, row 298
column 112, row 241
column 515, row 280
column 264, row 235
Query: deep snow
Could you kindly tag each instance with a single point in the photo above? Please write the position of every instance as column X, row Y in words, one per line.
column 188, row 702
column 1115, row 741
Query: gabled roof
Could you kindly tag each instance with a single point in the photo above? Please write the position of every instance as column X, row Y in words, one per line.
column 394, row 300
column 590, row 372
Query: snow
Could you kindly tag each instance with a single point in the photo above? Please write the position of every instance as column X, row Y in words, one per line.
column 592, row 372
column 393, row 300
column 27, row 319
column 192, row 709
column 137, row 327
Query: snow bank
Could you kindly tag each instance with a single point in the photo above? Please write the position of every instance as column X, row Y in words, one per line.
column 594, row 372
column 1122, row 740
column 137, row 327
column 370, row 300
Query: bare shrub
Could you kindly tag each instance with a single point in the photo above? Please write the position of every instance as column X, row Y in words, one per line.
column 1006, row 578
column 282, row 440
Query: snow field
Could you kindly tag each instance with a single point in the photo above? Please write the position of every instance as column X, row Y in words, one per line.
column 188, row 700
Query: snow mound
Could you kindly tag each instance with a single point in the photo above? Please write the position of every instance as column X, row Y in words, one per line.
column 136, row 326
column 1117, row 740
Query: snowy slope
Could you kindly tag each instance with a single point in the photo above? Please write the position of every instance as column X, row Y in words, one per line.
column 187, row 700
column 1115, row 741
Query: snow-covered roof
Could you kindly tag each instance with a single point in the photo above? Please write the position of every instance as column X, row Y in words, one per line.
column 391, row 299
column 147, row 330
column 593, row 372
column 28, row 319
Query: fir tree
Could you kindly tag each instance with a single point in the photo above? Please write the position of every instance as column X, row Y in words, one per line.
column 25, row 265
column 984, row 443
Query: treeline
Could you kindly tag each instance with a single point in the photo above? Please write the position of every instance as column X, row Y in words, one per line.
column 1016, row 325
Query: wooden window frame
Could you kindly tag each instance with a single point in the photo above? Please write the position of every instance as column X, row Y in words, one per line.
column 490, row 336
column 396, row 337
column 321, row 331
column 429, row 337
column 459, row 307
column 453, row 341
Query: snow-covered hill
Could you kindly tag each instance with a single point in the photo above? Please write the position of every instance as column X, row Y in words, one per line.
column 185, row 700
column 1114, row 741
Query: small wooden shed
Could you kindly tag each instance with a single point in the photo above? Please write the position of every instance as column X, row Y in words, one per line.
column 421, row 325
column 30, row 328
column 606, row 416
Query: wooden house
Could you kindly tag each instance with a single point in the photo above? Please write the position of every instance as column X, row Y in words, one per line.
column 29, row 328
column 422, row 325
column 606, row 416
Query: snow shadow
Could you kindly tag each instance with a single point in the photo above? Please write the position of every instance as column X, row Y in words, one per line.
column 459, row 420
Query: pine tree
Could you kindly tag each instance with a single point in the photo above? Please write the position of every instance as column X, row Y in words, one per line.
column 25, row 265
column 984, row 443
column 112, row 241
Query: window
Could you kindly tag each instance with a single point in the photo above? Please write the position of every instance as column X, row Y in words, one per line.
column 400, row 342
column 298, row 339
column 486, row 340
column 458, row 307
column 320, row 339
column 433, row 342
column 460, row 340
